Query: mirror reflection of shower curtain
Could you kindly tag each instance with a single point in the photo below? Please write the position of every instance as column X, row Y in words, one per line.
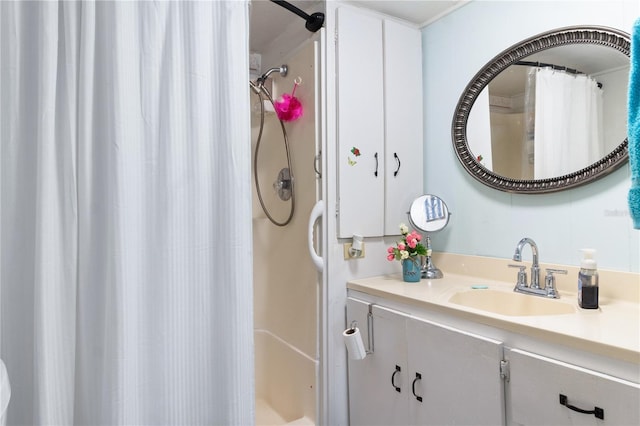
column 568, row 123
column 529, row 124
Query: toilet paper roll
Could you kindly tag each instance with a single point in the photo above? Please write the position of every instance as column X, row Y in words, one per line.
column 355, row 345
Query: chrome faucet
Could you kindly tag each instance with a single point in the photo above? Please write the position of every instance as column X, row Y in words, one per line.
column 549, row 289
column 535, row 266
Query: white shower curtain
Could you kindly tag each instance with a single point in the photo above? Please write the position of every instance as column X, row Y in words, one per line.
column 568, row 123
column 125, row 215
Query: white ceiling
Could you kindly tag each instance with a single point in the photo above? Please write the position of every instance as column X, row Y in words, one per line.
column 420, row 12
column 268, row 20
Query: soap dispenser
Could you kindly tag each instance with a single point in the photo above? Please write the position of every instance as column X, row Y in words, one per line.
column 588, row 280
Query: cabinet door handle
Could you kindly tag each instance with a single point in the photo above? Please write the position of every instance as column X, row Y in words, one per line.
column 413, row 386
column 375, row 173
column 397, row 161
column 393, row 377
column 597, row 411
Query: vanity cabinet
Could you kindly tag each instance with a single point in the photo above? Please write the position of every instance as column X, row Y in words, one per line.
column 379, row 122
column 425, row 372
column 421, row 372
column 536, row 384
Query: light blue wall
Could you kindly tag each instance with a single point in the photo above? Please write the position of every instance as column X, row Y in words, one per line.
column 488, row 222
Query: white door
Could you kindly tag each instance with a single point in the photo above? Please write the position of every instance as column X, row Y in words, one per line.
column 403, row 122
column 378, row 384
column 360, row 123
column 459, row 376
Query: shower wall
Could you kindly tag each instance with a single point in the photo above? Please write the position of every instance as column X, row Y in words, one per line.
column 507, row 146
column 285, row 280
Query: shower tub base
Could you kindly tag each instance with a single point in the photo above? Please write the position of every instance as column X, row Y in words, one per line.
column 266, row 415
column 285, row 382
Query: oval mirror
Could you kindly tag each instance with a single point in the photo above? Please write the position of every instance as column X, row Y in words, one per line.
column 429, row 213
column 548, row 113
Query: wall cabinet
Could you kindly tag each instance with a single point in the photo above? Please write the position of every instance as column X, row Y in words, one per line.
column 421, row 372
column 427, row 373
column 379, row 122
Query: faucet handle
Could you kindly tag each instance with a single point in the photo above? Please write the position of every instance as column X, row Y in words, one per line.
column 522, row 275
column 550, row 282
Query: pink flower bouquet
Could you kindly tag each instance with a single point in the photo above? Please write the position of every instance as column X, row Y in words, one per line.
column 409, row 246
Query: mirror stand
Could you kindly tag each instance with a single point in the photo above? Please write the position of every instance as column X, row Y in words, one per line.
column 429, row 270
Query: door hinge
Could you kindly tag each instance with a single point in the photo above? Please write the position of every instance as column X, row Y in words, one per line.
column 505, row 374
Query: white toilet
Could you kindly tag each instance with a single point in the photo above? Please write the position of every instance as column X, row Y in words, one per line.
column 5, row 393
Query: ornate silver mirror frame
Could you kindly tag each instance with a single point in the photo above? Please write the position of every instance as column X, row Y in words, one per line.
column 596, row 35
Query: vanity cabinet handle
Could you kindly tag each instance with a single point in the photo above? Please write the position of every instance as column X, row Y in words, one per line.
column 597, row 411
column 413, row 386
column 393, row 376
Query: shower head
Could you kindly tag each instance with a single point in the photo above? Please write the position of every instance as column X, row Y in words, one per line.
column 281, row 69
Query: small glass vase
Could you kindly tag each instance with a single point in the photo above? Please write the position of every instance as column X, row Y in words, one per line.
column 411, row 271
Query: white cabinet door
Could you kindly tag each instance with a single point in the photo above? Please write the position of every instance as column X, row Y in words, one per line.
column 378, row 384
column 423, row 373
column 379, row 121
column 360, row 123
column 403, row 122
column 537, row 383
column 459, row 379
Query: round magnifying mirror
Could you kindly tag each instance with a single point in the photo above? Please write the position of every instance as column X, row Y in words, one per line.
column 428, row 213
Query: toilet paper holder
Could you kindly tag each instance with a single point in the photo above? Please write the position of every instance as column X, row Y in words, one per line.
column 354, row 324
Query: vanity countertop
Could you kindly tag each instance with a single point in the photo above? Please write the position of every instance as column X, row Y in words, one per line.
column 613, row 330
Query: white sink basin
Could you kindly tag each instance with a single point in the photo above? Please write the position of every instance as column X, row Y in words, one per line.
column 511, row 303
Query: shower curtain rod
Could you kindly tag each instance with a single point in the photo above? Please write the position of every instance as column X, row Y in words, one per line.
column 314, row 21
column 543, row 64
column 552, row 66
